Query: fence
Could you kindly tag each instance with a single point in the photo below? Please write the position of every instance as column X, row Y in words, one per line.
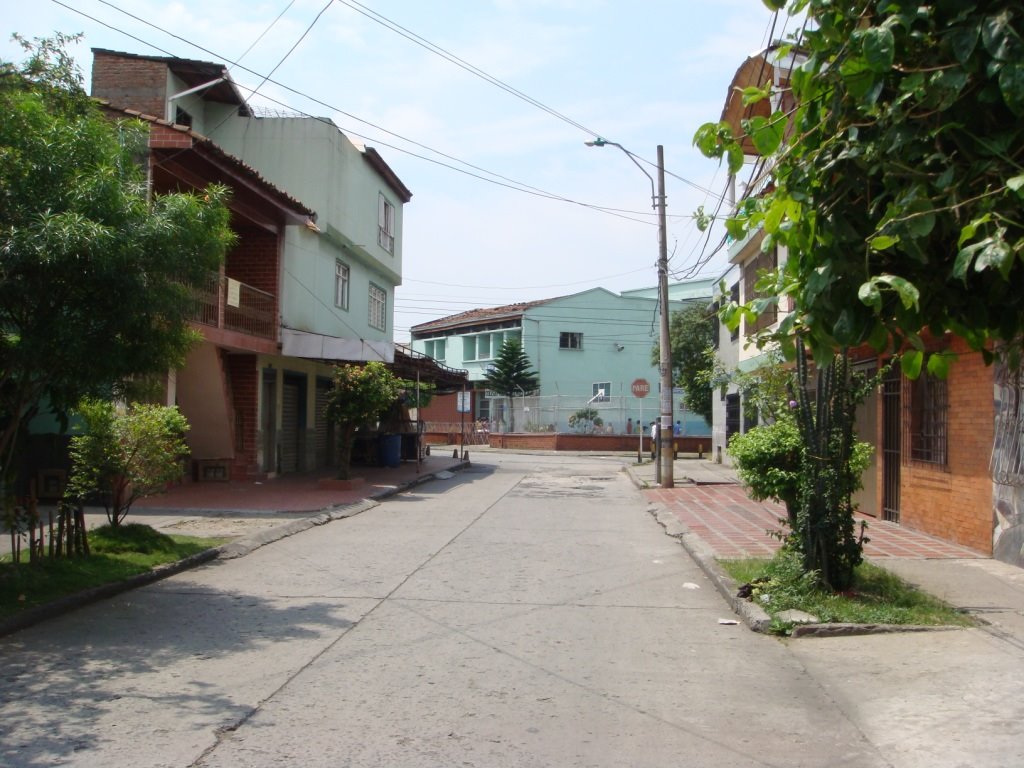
column 618, row 414
column 235, row 306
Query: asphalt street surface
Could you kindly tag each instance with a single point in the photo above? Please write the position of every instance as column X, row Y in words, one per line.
column 529, row 611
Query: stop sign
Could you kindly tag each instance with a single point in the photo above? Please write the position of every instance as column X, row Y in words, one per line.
column 640, row 387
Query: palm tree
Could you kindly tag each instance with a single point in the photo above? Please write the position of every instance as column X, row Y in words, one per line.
column 511, row 374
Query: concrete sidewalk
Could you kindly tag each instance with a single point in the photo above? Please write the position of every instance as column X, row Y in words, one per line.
column 721, row 522
column 243, row 508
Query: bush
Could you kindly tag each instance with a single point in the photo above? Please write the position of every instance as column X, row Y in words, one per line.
column 768, row 462
column 125, row 454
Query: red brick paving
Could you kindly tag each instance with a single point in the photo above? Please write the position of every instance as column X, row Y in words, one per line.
column 735, row 526
column 292, row 493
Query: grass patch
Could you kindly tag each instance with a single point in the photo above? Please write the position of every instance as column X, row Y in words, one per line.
column 877, row 596
column 117, row 553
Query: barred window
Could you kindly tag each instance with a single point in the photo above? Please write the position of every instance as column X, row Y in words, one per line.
column 928, row 419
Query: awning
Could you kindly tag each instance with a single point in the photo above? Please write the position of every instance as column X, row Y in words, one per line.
column 316, row 346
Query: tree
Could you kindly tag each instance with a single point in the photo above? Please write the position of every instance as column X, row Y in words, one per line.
column 359, row 397
column 511, row 375
column 125, row 454
column 898, row 183
column 586, row 419
column 691, row 334
column 897, row 186
column 94, row 275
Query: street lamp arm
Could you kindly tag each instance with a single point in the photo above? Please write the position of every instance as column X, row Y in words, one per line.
column 665, row 471
column 599, row 142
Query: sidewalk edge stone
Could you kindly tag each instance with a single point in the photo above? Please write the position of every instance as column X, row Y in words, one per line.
column 233, row 549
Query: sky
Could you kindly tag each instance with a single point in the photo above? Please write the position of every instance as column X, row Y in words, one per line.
column 508, row 203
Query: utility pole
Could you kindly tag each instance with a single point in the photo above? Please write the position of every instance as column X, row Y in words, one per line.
column 664, row 468
column 666, row 456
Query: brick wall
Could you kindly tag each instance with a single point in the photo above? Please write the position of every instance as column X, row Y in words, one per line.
column 165, row 137
column 442, row 408
column 243, row 383
column 130, row 82
column 955, row 502
column 255, row 261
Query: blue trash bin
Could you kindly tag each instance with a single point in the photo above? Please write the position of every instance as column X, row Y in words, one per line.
column 391, row 450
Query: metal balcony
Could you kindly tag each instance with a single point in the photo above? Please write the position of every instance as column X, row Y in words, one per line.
column 225, row 303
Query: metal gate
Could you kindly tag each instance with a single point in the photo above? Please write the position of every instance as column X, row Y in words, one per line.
column 892, row 454
column 290, row 397
column 324, row 428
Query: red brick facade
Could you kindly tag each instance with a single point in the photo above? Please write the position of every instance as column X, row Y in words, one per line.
column 255, row 261
column 126, row 81
column 243, row 384
column 954, row 501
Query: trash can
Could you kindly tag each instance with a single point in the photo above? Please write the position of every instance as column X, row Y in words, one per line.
column 391, row 450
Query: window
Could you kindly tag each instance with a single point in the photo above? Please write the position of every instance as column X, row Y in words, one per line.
column 341, row 283
column 602, row 392
column 385, row 224
column 482, row 346
column 734, row 297
column 927, row 403
column 378, row 308
column 181, row 117
column 570, row 340
column 435, row 348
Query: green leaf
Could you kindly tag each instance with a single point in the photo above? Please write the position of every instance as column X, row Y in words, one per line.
column 879, row 337
column 963, row 40
column 773, row 217
column 879, row 48
column 910, row 363
column 1016, row 184
column 883, row 242
column 1011, row 84
column 964, row 259
column 708, row 139
column 869, row 294
column 736, row 227
column 906, row 290
column 735, row 155
column 971, row 228
column 996, row 253
column 752, row 94
column 938, row 364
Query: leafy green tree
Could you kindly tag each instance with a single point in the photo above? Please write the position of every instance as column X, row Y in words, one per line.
column 898, row 177
column 511, row 376
column 125, row 454
column 359, row 397
column 586, row 419
column 94, row 274
column 897, row 193
column 691, row 334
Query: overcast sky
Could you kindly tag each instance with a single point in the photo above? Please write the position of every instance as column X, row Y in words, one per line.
column 640, row 74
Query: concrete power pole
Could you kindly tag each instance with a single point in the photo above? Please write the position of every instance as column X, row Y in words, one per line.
column 665, row 432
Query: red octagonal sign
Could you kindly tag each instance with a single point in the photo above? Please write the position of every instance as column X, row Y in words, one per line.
column 640, row 387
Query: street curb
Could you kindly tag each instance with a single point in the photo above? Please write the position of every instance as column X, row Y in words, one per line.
column 752, row 614
column 233, row 549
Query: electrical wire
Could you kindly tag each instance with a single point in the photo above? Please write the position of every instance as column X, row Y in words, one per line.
column 498, row 179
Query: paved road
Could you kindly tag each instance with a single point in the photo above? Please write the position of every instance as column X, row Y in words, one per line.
column 527, row 612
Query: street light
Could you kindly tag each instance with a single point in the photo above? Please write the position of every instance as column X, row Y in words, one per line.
column 664, row 470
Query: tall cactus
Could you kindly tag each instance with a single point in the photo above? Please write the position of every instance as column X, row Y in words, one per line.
column 825, row 531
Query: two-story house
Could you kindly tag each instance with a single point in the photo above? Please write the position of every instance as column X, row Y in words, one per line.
column 308, row 284
column 588, row 348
